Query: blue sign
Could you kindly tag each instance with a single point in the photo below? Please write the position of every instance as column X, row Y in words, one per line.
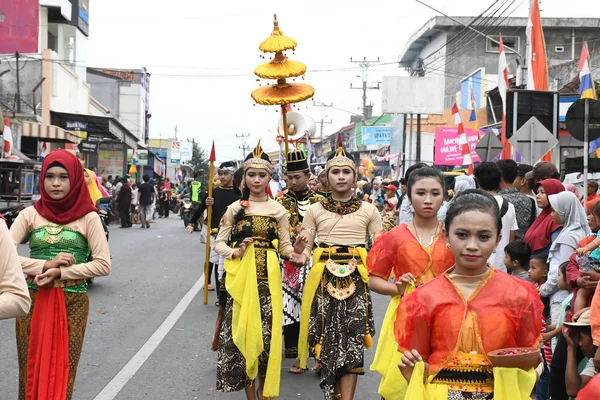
column 563, row 106
column 381, row 135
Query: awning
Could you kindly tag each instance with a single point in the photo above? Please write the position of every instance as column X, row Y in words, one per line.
column 48, row 133
column 96, row 125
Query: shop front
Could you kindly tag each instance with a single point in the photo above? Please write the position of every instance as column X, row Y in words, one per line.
column 104, row 141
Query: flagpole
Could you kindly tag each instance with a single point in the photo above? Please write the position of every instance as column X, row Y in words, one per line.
column 586, row 151
column 211, row 173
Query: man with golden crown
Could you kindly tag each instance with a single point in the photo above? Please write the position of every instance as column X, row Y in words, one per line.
column 296, row 201
column 336, row 314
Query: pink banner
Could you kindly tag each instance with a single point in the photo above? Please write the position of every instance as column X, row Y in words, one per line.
column 447, row 149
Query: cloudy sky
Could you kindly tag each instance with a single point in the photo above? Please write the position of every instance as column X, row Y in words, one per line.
column 202, row 54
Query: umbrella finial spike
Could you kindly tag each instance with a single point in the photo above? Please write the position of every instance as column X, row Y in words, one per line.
column 275, row 23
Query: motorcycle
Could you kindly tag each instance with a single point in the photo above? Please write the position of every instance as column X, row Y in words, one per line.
column 105, row 218
column 175, row 204
column 186, row 211
column 11, row 213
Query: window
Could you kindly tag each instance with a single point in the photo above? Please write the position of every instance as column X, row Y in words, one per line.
column 559, row 49
column 509, row 41
column 1, row 17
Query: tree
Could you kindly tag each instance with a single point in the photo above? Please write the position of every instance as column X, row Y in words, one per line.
column 199, row 159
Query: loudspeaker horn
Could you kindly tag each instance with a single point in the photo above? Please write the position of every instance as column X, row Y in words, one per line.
column 298, row 125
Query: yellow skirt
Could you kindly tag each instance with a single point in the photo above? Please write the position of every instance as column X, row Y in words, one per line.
column 509, row 384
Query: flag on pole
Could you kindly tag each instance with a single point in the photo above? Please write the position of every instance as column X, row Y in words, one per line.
column 586, row 85
column 462, row 139
column 45, row 151
column 537, row 65
column 503, row 89
column 7, row 135
column 473, row 116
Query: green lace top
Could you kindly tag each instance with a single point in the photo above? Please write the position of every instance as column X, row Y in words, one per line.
column 46, row 242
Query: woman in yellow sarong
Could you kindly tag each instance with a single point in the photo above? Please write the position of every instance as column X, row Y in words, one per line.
column 447, row 327
column 415, row 252
column 254, row 232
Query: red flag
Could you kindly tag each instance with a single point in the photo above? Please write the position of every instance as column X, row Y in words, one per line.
column 537, row 65
column 213, row 156
column 339, row 142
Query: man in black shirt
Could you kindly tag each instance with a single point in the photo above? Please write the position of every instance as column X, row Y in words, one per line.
column 223, row 196
column 145, row 199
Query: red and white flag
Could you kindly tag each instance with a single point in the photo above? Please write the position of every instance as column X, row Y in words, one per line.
column 502, row 75
column 502, row 89
column 462, row 139
column 7, row 135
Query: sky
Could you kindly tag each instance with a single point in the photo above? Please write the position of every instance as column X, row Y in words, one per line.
column 202, row 54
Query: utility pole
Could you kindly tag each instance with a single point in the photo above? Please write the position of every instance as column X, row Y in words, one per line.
column 18, row 85
column 244, row 147
column 322, row 121
column 365, row 65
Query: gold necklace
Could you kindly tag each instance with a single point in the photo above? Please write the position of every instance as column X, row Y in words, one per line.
column 419, row 237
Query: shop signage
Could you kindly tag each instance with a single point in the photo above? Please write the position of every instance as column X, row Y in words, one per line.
column 88, row 147
column 381, row 135
column 447, row 149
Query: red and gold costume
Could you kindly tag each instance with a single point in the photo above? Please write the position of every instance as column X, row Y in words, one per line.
column 399, row 252
column 454, row 321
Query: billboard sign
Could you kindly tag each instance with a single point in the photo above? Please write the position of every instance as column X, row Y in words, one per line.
column 80, row 16
column 380, row 135
column 186, row 150
column 412, row 95
column 447, row 149
column 175, row 153
column 19, row 26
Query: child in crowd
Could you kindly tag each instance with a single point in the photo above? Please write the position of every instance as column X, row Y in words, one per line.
column 565, row 307
column 538, row 274
column 389, row 216
column 516, row 259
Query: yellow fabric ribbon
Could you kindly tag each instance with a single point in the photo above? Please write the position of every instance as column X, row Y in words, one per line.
column 246, row 328
column 387, row 357
column 509, row 384
column 310, row 288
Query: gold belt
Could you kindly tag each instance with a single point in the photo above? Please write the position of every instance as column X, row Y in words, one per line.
column 60, row 283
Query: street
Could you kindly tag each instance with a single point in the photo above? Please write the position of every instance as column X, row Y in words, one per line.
column 136, row 347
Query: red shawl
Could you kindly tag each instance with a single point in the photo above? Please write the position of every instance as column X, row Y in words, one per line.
column 77, row 203
column 539, row 234
column 48, row 354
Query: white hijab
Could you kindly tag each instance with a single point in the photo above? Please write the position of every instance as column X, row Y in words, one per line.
column 462, row 183
column 572, row 215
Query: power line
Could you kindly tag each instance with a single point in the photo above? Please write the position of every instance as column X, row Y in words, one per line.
column 365, row 64
column 244, row 147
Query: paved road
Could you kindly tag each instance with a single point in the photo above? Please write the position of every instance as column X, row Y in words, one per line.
column 155, row 273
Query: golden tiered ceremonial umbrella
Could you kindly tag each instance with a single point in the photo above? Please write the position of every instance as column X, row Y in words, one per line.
column 280, row 68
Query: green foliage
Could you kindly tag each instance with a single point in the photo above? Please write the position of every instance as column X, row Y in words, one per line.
column 199, row 158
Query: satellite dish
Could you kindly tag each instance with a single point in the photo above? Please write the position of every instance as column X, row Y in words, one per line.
column 298, row 125
column 576, row 119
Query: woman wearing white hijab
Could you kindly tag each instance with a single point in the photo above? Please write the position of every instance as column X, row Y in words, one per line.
column 461, row 183
column 566, row 210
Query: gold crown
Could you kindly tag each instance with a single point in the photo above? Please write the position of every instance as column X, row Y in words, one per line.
column 340, row 159
column 258, row 151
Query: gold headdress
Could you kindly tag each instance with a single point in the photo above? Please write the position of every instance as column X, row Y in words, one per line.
column 340, row 158
column 258, row 159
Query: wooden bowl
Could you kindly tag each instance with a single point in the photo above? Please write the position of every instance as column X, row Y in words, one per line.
column 527, row 357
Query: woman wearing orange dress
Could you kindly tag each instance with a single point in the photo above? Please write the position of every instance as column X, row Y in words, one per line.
column 447, row 327
column 415, row 253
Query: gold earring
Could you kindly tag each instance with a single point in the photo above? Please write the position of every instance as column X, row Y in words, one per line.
column 494, row 251
column 448, row 245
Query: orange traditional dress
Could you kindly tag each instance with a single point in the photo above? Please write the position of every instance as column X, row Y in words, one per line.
column 399, row 252
column 454, row 321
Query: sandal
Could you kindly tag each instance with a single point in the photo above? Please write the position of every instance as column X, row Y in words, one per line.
column 296, row 370
column 317, row 368
column 210, row 287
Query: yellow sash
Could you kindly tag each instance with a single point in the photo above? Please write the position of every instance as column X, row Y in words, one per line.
column 246, row 328
column 509, row 384
column 387, row 357
column 313, row 281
